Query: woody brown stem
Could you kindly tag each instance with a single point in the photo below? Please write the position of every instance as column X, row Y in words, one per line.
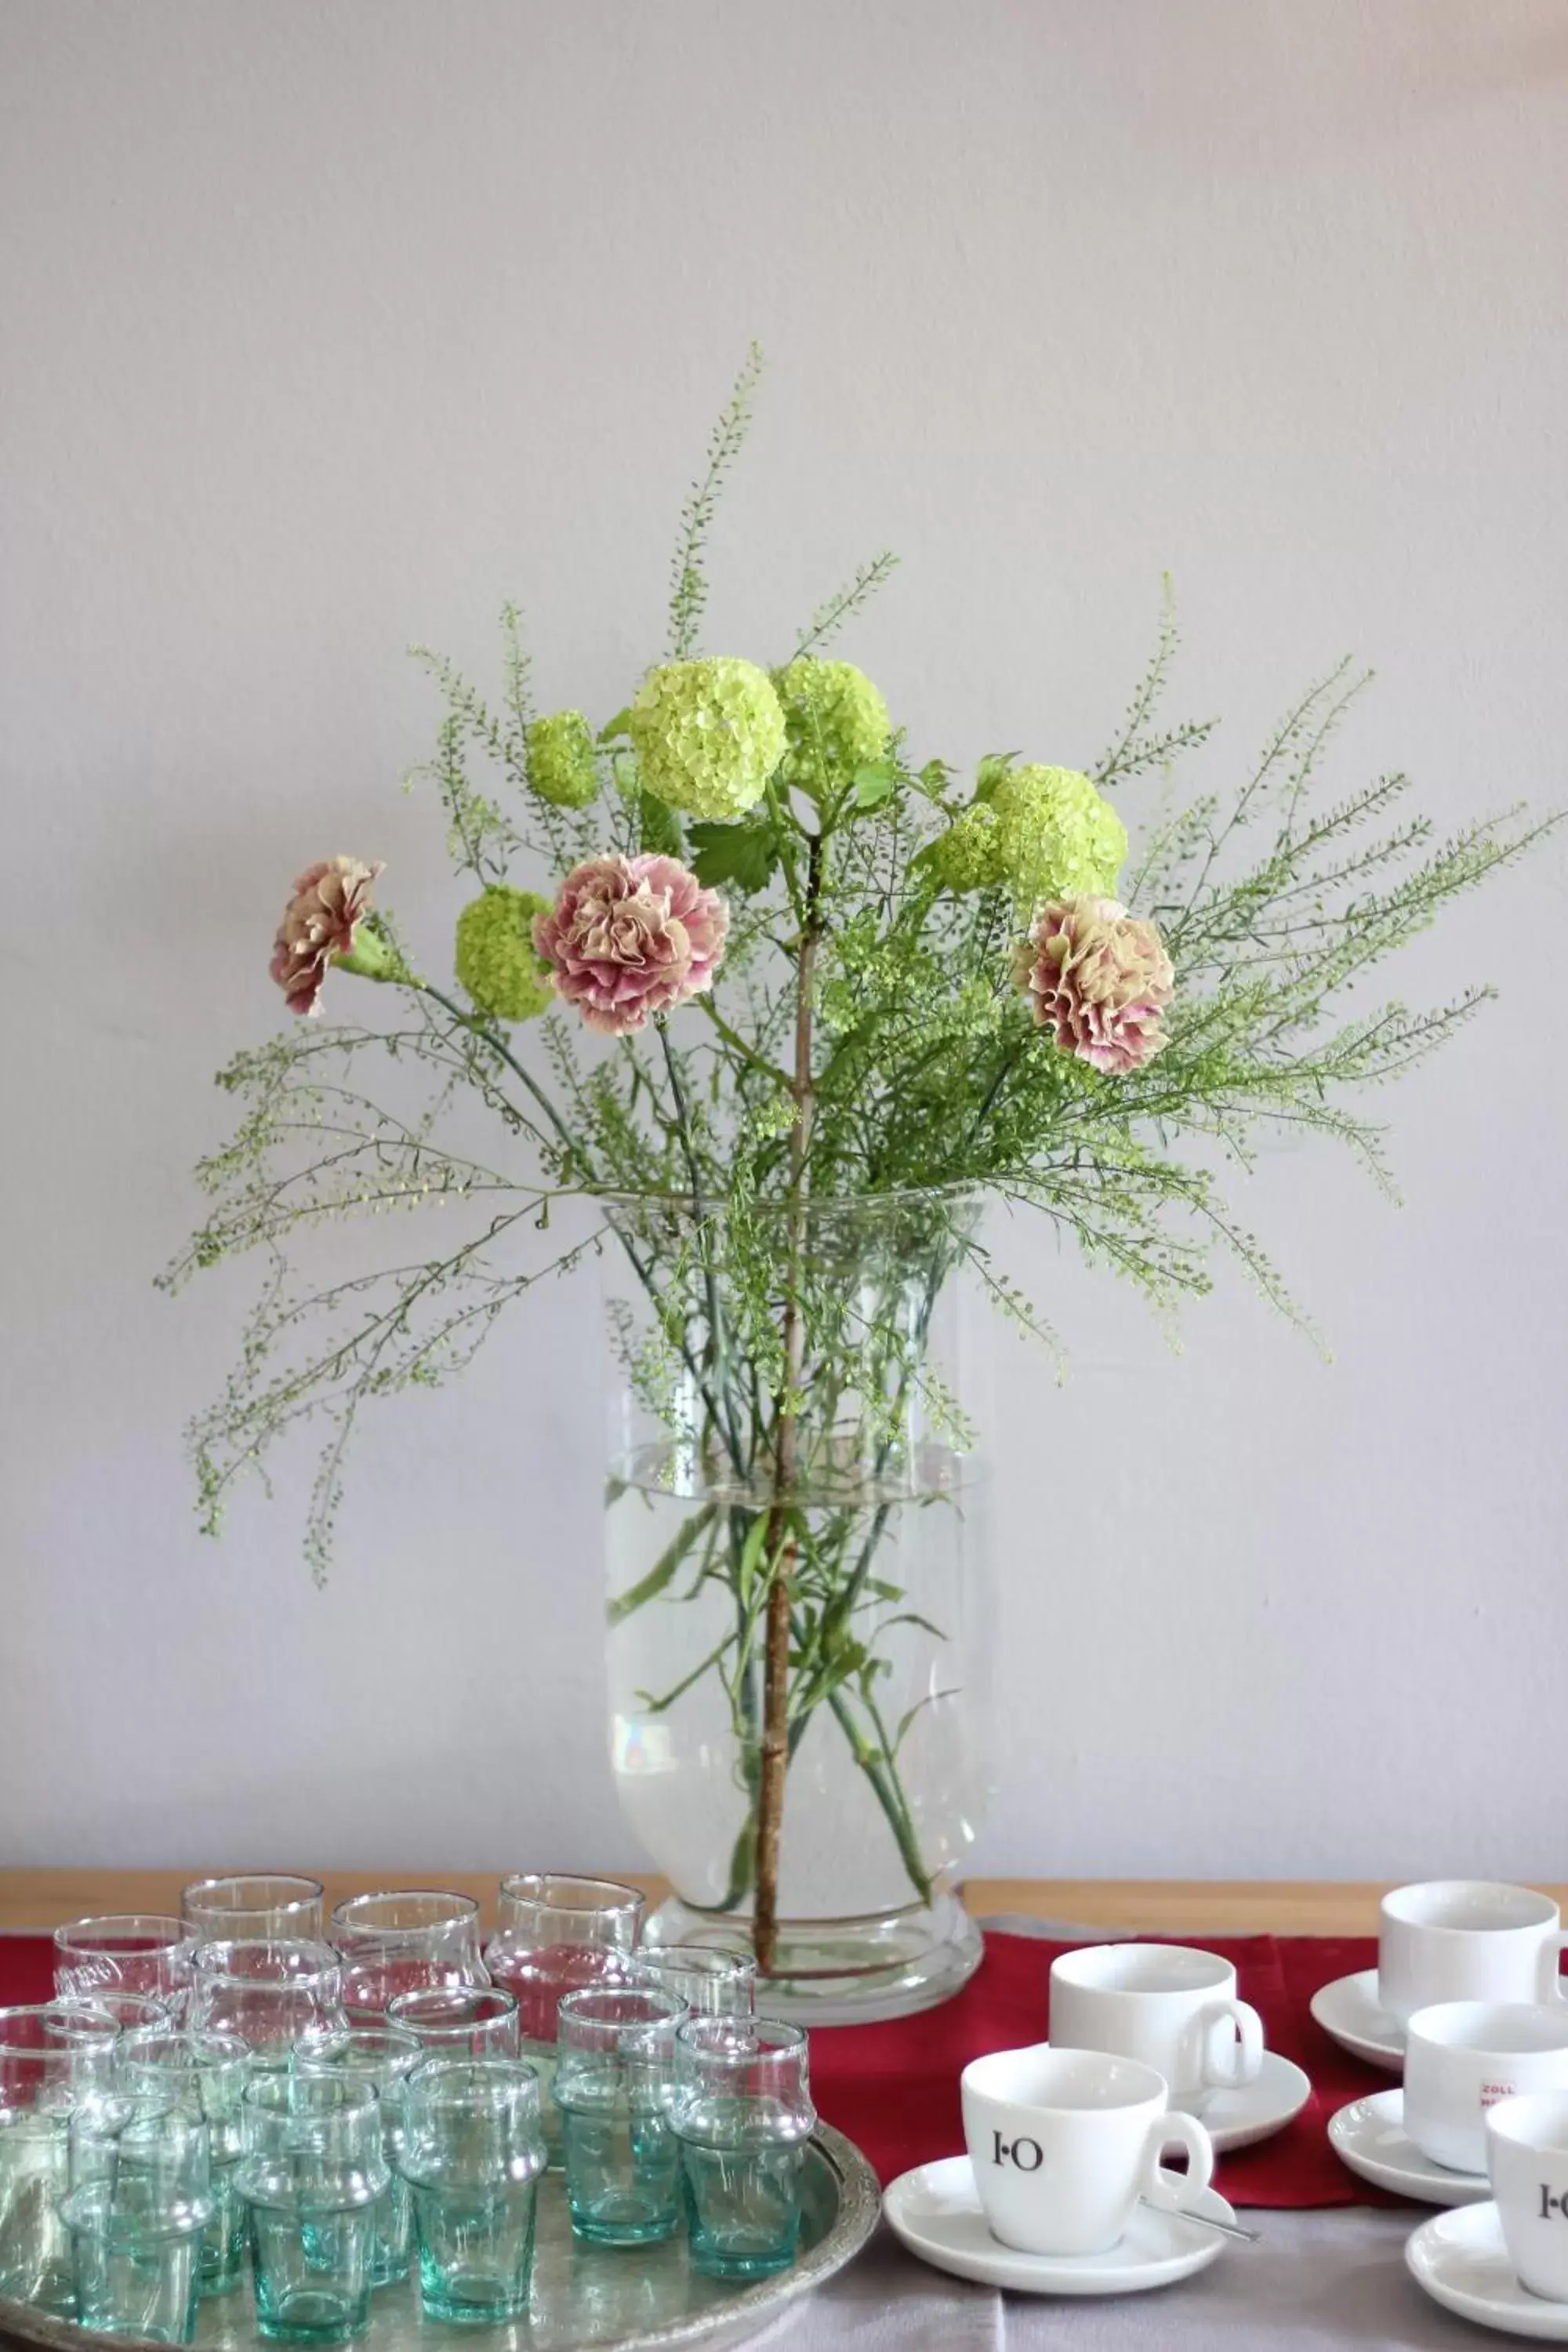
column 781, row 1547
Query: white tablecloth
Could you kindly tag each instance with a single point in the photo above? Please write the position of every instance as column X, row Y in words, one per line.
column 1318, row 2279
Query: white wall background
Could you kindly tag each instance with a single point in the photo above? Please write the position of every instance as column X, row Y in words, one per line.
column 330, row 324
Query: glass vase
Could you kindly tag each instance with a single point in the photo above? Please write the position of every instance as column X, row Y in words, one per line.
column 797, row 1616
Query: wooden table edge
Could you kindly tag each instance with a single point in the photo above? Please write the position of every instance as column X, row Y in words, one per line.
column 35, row 1900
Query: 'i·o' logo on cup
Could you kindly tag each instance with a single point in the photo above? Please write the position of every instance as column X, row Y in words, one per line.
column 1025, row 2155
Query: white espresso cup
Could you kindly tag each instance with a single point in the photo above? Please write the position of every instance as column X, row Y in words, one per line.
column 1065, row 2142
column 1527, row 2157
column 1462, row 2057
column 1168, row 2007
column 1466, row 1939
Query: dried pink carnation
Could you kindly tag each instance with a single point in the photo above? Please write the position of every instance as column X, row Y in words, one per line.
column 319, row 923
column 631, row 936
column 1099, row 979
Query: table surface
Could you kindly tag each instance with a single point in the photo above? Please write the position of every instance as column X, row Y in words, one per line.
column 36, row 1899
column 1318, row 2279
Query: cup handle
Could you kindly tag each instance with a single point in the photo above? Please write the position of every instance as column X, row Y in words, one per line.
column 1176, row 2192
column 1233, row 2044
column 1554, row 1989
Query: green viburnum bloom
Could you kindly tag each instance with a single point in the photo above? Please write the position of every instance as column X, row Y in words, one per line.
column 834, row 717
column 965, row 857
column 708, row 735
column 560, row 767
column 1056, row 836
column 496, row 958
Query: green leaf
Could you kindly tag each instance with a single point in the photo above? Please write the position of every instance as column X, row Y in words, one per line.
column 873, row 785
column 621, row 724
column 659, row 827
column 745, row 853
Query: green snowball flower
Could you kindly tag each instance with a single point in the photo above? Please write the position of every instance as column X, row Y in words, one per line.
column 1056, row 837
column 496, row 961
column 708, row 735
column 965, row 857
column 834, row 716
column 560, row 767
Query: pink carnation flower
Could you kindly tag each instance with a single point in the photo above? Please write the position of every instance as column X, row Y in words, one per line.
column 1098, row 978
column 319, row 923
column 628, row 936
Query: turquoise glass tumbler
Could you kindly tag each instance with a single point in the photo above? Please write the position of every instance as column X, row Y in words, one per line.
column 258, row 1906
column 384, row 2057
column 312, row 2174
column 140, row 2202
column 268, row 1992
column 615, row 2077
column 204, row 2076
column 559, row 1934
column 126, row 1952
column 743, row 2113
column 49, row 2062
column 473, row 2153
column 405, row 1942
column 710, row 1981
column 134, row 2274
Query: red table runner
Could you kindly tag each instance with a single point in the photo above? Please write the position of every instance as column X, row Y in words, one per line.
column 893, row 2088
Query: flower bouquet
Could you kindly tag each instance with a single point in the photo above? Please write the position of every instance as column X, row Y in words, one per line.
column 788, row 1005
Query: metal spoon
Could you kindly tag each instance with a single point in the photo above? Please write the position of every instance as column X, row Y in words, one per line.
column 1226, row 2229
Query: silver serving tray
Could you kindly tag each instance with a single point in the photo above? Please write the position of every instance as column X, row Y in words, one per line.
column 624, row 2299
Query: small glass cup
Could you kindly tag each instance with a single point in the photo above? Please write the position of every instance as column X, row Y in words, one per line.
column 743, row 2113
column 140, row 2202
column 269, row 1993
column 385, row 2056
column 473, row 2154
column 458, row 2021
column 558, row 1935
column 204, row 2075
column 613, row 2081
column 401, row 1943
column 313, row 2172
column 124, row 1952
column 51, row 2061
column 711, row 1983
column 258, row 1907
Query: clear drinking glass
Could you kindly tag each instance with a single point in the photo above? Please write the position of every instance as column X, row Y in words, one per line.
column 258, row 1906
column 204, row 2075
column 124, row 1952
column 743, row 2113
column 269, row 1993
column 458, row 2021
column 139, row 2203
column 402, row 1942
column 614, row 2081
column 49, row 2062
column 385, row 2056
column 712, row 1983
column 559, row 1935
column 473, row 2152
column 312, row 2173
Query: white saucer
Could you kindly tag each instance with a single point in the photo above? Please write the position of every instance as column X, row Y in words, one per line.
column 1348, row 2011
column 1237, row 2118
column 1370, row 2136
column 935, row 2211
column 1461, row 2261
